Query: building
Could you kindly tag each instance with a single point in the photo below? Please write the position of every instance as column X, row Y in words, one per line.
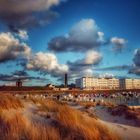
column 113, row 83
column 97, row 83
column 129, row 83
column 50, row 86
column 122, row 83
column 18, row 83
column 85, row 83
column 89, row 83
column 66, row 80
column 136, row 83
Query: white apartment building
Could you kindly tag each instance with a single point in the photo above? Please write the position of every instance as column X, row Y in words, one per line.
column 107, row 83
column 97, row 83
column 136, row 83
column 130, row 83
column 113, row 83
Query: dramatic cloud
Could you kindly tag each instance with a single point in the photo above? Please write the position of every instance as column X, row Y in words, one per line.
column 131, row 69
column 46, row 63
column 91, row 58
column 22, row 75
column 119, row 44
column 11, row 48
column 136, row 68
column 136, row 58
column 83, row 67
column 83, row 36
column 26, row 13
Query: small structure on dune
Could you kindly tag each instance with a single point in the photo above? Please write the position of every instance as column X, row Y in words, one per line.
column 50, row 86
column 18, row 83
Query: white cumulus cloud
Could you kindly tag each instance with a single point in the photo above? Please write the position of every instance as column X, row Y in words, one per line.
column 92, row 57
column 83, row 36
column 119, row 43
column 46, row 63
column 23, row 34
column 11, row 48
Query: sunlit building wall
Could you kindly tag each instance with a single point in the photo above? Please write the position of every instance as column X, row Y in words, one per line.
column 97, row 83
column 130, row 83
column 107, row 83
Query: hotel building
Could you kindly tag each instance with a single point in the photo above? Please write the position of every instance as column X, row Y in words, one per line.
column 107, row 83
column 97, row 83
column 129, row 83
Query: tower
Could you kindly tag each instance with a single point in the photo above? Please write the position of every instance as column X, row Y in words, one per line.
column 66, row 80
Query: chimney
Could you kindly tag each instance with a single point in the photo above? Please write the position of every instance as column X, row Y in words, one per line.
column 66, row 80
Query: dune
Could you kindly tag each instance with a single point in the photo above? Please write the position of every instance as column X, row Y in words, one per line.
column 126, row 129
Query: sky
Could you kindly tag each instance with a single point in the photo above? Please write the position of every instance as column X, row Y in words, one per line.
column 41, row 40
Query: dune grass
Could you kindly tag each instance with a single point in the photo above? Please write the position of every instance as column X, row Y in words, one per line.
column 65, row 123
column 10, row 102
column 19, row 127
column 72, row 124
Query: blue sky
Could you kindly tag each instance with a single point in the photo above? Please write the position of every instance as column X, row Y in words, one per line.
column 57, row 40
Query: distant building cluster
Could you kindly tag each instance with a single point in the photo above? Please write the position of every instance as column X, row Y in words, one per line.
column 107, row 83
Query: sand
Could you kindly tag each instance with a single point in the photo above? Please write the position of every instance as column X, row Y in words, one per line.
column 126, row 129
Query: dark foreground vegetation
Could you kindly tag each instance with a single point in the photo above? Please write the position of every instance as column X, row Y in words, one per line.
column 45, row 119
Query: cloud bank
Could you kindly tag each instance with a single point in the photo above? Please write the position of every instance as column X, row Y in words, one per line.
column 27, row 13
column 136, row 60
column 83, row 36
column 91, row 58
column 13, row 49
column 23, row 75
column 84, row 66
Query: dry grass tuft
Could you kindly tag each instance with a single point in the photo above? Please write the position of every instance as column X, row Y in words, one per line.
column 73, row 124
column 10, row 102
column 19, row 127
column 46, row 105
column 65, row 123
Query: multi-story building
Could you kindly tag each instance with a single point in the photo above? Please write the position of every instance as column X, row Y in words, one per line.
column 97, row 83
column 129, row 83
column 85, row 83
column 113, row 83
column 136, row 83
column 107, row 83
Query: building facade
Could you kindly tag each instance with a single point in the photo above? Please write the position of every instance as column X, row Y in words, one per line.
column 97, row 83
column 129, row 83
column 89, row 83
